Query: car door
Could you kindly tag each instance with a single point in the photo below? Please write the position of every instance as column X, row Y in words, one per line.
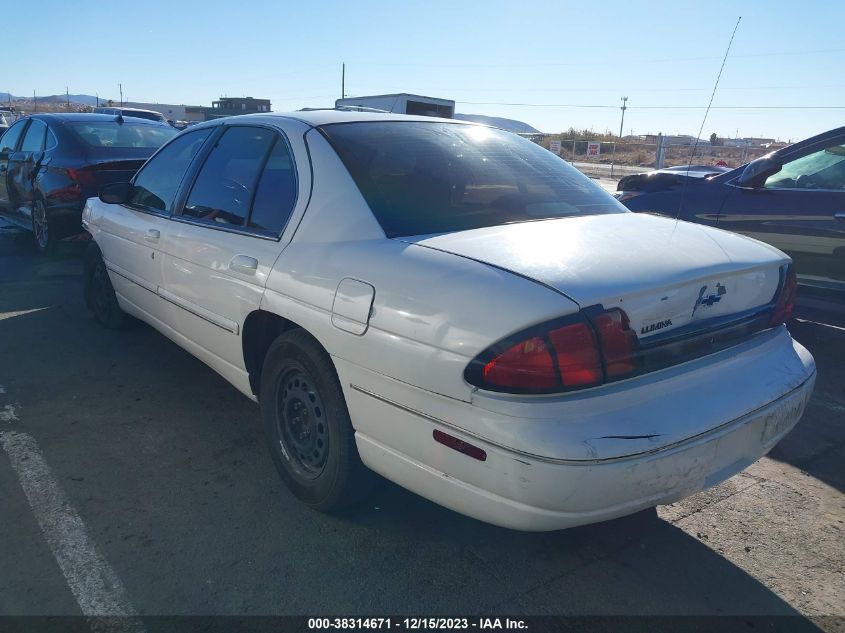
column 130, row 234
column 225, row 241
column 8, row 146
column 23, row 166
column 801, row 211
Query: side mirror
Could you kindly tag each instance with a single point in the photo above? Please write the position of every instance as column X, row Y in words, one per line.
column 757, row 171
column 116, row 193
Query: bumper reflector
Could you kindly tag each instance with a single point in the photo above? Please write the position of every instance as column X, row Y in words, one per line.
column 460, row 446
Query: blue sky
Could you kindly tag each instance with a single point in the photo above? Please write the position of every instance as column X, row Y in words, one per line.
column 482, row 54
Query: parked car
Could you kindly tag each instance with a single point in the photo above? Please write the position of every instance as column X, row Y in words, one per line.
column 455, row 308
column 793, row 198
column 51, row 163
column 135, row 113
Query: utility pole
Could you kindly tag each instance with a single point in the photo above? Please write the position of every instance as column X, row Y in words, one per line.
column 97, row 97
column 621, row 123
column 121, row 94
column 343, row 82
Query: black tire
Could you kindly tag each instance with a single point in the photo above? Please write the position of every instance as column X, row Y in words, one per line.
column 99, row 293
column 307, row 425
column 43, row 230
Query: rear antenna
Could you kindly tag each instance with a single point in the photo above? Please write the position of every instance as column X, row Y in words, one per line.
column 704, row 120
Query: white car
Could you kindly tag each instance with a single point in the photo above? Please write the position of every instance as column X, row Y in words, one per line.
column 455, row 308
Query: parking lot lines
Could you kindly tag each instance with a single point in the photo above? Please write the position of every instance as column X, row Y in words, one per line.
column 96, row 587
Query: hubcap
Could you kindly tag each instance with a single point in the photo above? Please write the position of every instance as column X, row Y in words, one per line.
column 302, row 424
column 39, row 223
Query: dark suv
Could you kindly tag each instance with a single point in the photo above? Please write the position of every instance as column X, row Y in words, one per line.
column 793, row 198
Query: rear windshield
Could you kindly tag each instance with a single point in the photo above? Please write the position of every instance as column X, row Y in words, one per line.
column 421, row 178
column 123, row 135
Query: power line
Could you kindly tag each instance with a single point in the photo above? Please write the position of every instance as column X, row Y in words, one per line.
column 655, row 107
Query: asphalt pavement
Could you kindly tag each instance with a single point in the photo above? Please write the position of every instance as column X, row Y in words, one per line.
column 134, row 477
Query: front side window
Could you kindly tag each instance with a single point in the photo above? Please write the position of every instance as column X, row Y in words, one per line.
column 9, row 140
column 35, row 137
column 421, row 178
column 225, row 185
column 156, row 184
column 824, row 169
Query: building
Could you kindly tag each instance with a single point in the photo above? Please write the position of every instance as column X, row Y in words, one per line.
column 403, row 103
column 231, row 106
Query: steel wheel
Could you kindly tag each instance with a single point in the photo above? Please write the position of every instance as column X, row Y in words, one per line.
column 99, row 293
column 307, row 425
column 40, row 225
column 303, row 430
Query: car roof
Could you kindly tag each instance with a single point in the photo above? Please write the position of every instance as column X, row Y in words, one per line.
column 316, row 118
column 813, row 140
column 82, row 117
column 122, row 109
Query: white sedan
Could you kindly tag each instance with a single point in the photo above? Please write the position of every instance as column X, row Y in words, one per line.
column 455, row 308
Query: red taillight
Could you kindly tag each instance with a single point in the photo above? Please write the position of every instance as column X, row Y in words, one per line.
column 786, row 298
column 577, row 355
column 526, row 365
column 617, row 342
column 570, row 353
column 82, row 176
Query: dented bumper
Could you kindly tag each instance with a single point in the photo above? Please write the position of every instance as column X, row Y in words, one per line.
column 643, row 444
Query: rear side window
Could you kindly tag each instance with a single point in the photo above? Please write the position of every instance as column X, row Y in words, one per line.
column 156, row 184
column 123, row 135
column 276, row 192
column 421, row 178
column 9, row 141
column 35, row 137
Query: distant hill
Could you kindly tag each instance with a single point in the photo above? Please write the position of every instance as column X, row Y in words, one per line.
column 89, row 100
column 512, row 125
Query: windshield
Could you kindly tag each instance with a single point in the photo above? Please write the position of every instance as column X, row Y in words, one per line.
column 123, row 135
column 141, row 114
column 421, row 178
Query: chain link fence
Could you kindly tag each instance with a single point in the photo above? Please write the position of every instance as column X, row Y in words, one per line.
column 632, row 156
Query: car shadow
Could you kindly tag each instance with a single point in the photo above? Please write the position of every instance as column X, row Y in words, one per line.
column 817, row 444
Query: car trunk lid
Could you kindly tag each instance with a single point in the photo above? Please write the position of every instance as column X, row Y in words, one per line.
column 667, row 276
column 94, row 176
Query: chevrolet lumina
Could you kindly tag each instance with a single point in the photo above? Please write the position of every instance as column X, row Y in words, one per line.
column 456, row 309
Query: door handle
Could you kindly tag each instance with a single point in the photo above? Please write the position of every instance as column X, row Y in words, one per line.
column 152, row 235
column 244, row 264
column 840, row 216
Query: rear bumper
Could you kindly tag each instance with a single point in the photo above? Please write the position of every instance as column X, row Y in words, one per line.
column 578, row 493
column 554, row 463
